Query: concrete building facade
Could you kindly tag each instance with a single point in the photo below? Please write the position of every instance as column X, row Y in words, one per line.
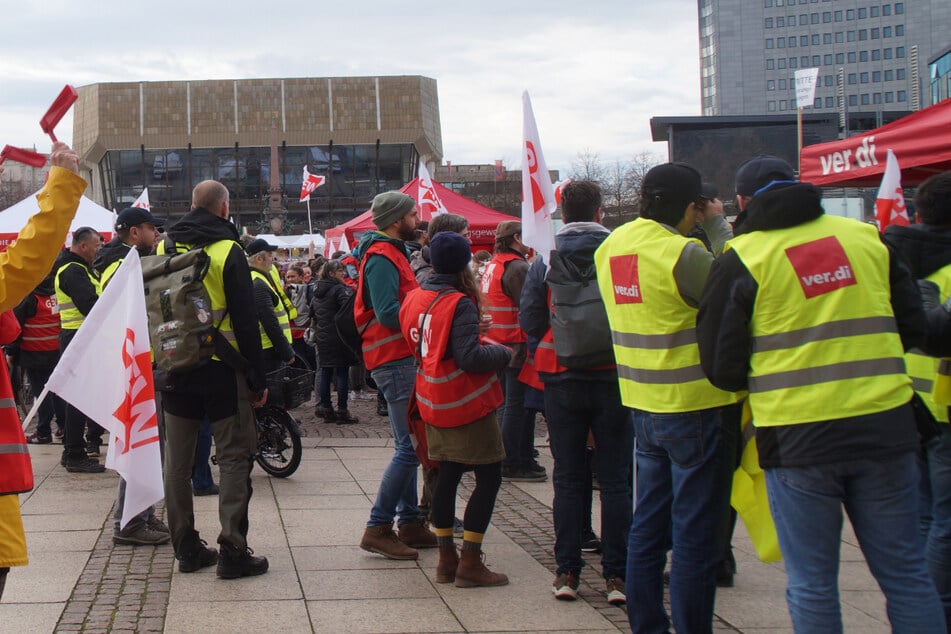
column 364, row 134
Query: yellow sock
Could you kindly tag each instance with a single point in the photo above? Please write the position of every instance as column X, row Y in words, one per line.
column 472, row 536
column 443, row 532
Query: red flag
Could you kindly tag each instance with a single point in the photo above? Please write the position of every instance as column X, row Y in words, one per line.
column 499, row 170
column 66, row 98
column 309, row 183
column 890, row 202
column 20, row 155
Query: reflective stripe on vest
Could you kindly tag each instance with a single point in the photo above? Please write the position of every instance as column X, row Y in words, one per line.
column 503, row 311
column 447, row 396
column 214, row 284
column 652, row 327
column 69, row 316
column 381, row 344
column 16, row 471
column 41, row 331
column 825, row 343
column 941, row 394
column 923, row 369
column 279, row 312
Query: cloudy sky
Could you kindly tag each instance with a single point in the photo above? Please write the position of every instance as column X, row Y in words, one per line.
column 596, row 71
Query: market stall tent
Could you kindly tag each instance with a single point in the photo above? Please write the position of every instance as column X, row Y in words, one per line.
column 482, row 220
column 89, row 214
column 921, row 142
column 301, row 241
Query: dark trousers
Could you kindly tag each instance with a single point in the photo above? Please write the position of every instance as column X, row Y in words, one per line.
column 51, row 405
column 340, row 377
column 518, row 424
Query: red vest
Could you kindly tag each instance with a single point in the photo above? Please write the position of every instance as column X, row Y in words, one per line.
column 498, row 305
column 16, row 471
column 381, row 344
column 529, row 375
column 446, row 396
column 41, row 331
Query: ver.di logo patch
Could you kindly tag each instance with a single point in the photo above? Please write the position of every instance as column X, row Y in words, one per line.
column 625, row 280
column 821, row 266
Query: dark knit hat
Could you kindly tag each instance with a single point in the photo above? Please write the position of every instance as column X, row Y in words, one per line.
column 449, row 252
column 389, row 207
column 760, row 171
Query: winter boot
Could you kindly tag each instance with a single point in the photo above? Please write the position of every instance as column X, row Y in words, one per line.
column 416, row 535
column 344, row 417
column 448, row 560
column 326, row 413
column 240, row 562
column 472, row 573
column 383, row 540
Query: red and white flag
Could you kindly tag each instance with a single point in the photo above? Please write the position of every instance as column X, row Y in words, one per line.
column 106, row 373
column 344, row 245
column 142, row 202
column 890, row 202
column 330, row 249
column 309, row 183
column 426, row 198
column 538, row 193
column 559, row 186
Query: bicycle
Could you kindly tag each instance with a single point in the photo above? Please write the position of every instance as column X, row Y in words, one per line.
column 279, row 445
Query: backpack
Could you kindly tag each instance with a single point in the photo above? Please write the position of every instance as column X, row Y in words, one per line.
column 579, row 321
column 181, row 325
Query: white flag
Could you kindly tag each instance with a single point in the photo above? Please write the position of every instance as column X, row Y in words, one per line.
column 890, row 202
column 309, row 183
column 330, row 249
column 538, row 193
column 106, row 373
column 427, row 199
column 806, row 86
column 344, row 245
column 142, row 202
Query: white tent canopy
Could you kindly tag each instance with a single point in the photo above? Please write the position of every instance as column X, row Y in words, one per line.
column 89, row 214
column 301, row 241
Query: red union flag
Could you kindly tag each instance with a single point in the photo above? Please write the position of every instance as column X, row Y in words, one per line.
column 625, row 280
column 427, row 199
column 890, row 202
column 309, row 183
column 538, row 194
column 821, row 266
column 106, row 374
column 142, row 202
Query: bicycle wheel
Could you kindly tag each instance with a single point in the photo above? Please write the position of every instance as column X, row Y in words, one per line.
column 301, row 362
column 279, row 447
column 23, row 394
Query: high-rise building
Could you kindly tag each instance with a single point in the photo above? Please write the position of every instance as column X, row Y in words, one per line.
column 872, row 56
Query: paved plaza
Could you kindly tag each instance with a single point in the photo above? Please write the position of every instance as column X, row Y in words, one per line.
column 309, row 526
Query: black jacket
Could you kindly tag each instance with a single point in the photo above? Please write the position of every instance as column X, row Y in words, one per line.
column 113, row 251
column 329, row 296
column 200, row 227
column 723, row 333
column 265, row 299
column 74, row 281
column 464, row 346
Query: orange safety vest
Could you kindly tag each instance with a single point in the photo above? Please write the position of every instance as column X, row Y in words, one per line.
column 529, row 375
column 498, row 305
column 381, row 344
column 41, row 331
column 16, row 471
column 446, row 395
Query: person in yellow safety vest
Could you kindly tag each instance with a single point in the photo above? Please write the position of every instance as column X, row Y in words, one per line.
column 22, row 266
column 651, row 277
column 926, row 248
column 812, row 314
column 77, row 289
column 273, row 321
column 278, row 284
column 138, row 229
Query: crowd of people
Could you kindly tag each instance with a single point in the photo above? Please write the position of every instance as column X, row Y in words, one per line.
column 644, row 348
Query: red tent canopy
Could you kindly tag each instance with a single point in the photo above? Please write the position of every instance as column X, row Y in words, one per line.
column 482, row 220
column 921, row 142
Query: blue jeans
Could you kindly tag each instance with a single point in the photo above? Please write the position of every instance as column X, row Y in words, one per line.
column 574, row 408
column 518, row 424
column 936, row 514
column 397, row 493
column 201, row 471
column 684, row 473
column 340, row 377
column 879, row 496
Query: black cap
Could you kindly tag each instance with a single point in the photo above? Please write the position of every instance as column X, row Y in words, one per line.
column 672, row 181
column 709, row 191
column 258, row 245
column 760, row 171
column 133, row 216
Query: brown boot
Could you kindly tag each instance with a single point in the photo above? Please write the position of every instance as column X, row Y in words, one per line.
column 448, row 562
column 416, row 535
column 472, row 573
column 383, row 541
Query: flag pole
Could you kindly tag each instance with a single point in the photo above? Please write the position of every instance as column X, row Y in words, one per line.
column 36, row 406
column 310, row 231
column 799, row 137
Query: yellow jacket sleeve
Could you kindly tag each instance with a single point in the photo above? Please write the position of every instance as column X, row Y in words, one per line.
column 28, row 260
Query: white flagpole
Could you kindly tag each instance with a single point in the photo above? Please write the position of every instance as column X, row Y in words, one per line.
column 310, row 231
column 35, row 408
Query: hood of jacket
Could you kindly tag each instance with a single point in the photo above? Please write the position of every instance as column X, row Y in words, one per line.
column 578, row 241
column 323, row 287
column 199, row 227
column 783, row 206
column 113, row 250
column 925, row 248
column 48, row 285
column 369, row 237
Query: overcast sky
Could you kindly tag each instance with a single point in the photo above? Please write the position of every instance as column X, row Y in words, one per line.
column 597, row 71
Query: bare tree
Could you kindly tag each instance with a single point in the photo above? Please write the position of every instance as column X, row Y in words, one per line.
column 587, row 167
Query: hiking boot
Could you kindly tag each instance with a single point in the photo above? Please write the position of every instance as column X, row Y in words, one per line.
column 536, row 469
column 326, row 413
column 157, row 525
column 201, row 557
column 615, row 589
column 33, row 439
column 565, row 587
column 343, row 417
column 212, row 490
column 520, row 474
column 240, row 562
column 382, row 540
column 472, row 572
column 725, row 571
column 83, row 465
column 92, row 449
column 145, row 536
column 448, row 562
column 417, row 535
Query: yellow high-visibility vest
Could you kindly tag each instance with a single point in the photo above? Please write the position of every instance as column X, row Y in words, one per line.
column 69, row 316
column 279, row 312
column 923, row 369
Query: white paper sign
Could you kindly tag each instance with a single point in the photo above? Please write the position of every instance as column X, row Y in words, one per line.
column 806, row 86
